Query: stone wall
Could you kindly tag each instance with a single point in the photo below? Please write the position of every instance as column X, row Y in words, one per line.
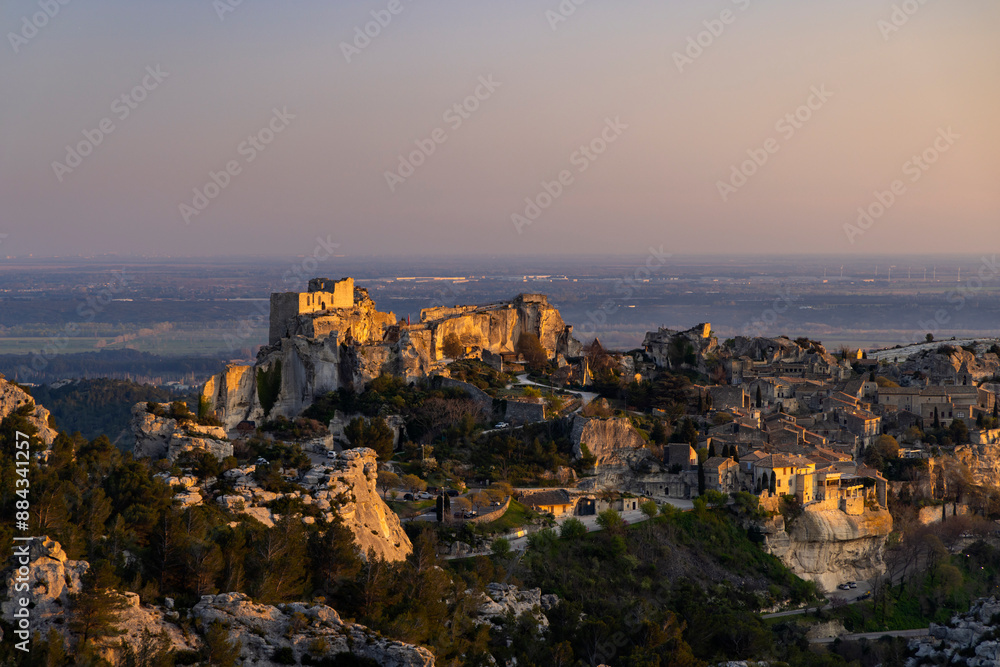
column 523, row 412
column 492, row 516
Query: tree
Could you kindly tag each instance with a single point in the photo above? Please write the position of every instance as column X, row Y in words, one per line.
column 659, row 433
column 611, row 521
column 387, row 480
column 500, row 548
column 219, row 651
column 701, row 478
column 929, row 338
column 373, row 433
column 94, row 611
column 453, row 348
column 572, row 528
column 413, row 483
column 531, row 349
column 649, row 508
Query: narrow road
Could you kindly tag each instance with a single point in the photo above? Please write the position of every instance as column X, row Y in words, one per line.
column 587, row 396
column 850, row 596
column 920, row 632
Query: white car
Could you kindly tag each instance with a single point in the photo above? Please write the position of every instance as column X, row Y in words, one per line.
column 330, row 454
column 502, row 425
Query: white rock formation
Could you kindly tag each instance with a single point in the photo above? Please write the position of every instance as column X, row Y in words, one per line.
column 263, row 629
column 969, row 639
column 501, row 599
column 617, row 446
column 830, row 547
column 13, row 397
column 260, row 629
column 350, row 479
column 163, row 437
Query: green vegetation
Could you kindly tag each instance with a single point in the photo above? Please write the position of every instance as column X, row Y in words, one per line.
column 97, row 407
column 268, row 386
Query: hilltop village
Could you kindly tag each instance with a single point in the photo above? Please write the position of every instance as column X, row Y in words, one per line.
column 473, row 471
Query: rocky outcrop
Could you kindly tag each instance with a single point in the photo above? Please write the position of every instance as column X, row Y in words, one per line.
column 350, row 480
column 502, row 599
column 830, row 547
column 314, row 352
column 158, row 437
column 969, row 639
column 616, row 445
column 260, row 630
column 12, row 398
column 680, row 349
column 313, row 630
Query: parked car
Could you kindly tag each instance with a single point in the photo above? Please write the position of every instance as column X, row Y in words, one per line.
column 330, row 454
column 502, row 425
column 407, row 496
column 452, row 492
column 852, row 584
column 843, row 587
column 261, row 461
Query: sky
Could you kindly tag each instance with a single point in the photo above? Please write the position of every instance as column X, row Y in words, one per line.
column 228, row 127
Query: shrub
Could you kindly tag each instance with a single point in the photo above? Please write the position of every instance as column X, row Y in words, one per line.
column 572, row 528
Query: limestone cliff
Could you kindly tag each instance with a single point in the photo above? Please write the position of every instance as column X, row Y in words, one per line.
column 158, row 437
column 830, row 547
column 261, row 630
column 967, row 639
column 315, row 349
column 351, row 478
column 13, row 397
column 617, row 447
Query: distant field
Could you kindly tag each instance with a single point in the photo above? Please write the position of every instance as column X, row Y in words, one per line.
column 219, row 306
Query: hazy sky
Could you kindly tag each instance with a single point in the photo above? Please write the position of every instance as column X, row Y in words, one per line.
column 883, row 88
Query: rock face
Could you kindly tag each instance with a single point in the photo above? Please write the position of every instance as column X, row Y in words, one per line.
column 617, row 446
column 260, row 629
column 830, row 547
column 501, row 599
column 969, row 639
column 351, row 478
column 314, row 630
column 317, row 346
column 162, row 437
column 680, row 349
column 13, row 397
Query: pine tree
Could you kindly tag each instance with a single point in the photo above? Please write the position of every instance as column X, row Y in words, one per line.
column 95, row 609
column 219, row 651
